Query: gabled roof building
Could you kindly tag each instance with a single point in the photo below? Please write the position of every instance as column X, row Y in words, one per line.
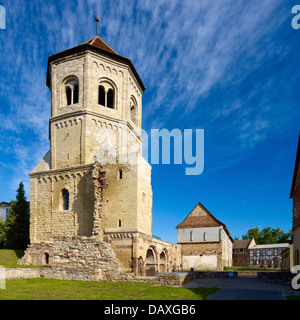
column 205, row 241
column 241, row 252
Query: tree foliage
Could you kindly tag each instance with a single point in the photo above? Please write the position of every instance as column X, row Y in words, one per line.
column 16, row 226
column 268, row 235
column 2, row 235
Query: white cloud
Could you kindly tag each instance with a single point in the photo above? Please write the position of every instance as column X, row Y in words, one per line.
column 183, row 50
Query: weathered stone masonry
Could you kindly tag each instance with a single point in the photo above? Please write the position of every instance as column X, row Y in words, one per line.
column 87, row 191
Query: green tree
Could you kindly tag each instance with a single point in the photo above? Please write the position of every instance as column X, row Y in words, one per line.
column 17, row 224
column 2, row 235
column 268, row 235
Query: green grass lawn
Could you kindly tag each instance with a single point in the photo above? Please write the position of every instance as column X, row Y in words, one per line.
column 48, row 289
column 9, row 259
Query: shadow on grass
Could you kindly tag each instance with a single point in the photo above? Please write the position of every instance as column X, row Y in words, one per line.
column 203, row 293
column 19, row 253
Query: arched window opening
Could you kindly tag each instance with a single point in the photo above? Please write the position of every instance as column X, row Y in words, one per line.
column 204, row 236
column 150, row 263
column 120, row 174
column 46, row 258
column 133, row 110
column 72, row 92
column 75, row 93
column 110, row 99
column 69, row 96
column 101, row 97
column 65, row 194
column 120, row 223
column 191, row 236
column 162, row 262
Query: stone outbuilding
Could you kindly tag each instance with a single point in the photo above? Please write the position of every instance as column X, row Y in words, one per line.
column 205, row 241
column 241, row 252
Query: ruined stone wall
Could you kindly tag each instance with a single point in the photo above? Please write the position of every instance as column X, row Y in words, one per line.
column 85, row 258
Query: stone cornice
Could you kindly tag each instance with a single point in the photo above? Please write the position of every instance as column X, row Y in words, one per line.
column 62, row 170
column 95, row 114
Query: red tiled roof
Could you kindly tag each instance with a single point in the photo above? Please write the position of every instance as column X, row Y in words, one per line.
column 200, row 217
column 241, row 244
column 100, row 44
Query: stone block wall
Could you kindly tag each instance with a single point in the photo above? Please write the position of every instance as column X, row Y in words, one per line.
column 201, row 256
column 76, row 258
column 85, row 258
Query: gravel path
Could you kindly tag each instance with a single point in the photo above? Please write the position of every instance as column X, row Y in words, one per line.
column 245, row 288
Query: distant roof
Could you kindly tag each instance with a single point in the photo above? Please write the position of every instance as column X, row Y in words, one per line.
column 99, row 46
column 4, row 204
column 241, row 244
column 200, row 217
column 295, row 169
column 270, row 246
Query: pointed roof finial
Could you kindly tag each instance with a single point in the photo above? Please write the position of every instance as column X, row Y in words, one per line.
column 97, row 21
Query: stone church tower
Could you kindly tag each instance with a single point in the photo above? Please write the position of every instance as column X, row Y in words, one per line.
column 94, row 182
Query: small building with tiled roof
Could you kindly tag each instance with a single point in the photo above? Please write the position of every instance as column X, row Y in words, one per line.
column 240, row 256
column 205, row 241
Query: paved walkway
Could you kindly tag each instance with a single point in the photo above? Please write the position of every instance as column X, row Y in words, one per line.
column 245, row 288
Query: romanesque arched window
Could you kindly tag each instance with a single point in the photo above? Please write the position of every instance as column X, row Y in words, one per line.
column 69, row 95
column 107, row 94
column 75, row 93
column 101, row 96
column 65, row 197
column 133, row 110
column 71, row 87
column 110, row 99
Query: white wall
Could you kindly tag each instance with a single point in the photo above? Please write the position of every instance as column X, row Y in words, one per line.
column 211, row 234
column 204, row 262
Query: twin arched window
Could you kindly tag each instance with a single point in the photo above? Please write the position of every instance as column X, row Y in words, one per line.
column 106, row 97
column 72, row 91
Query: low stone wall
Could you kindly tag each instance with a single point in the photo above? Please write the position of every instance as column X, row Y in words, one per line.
column 284, row 275
column 172, row 278
column 180, row 278
column 28, row 273
column 60, row 274
column 74, row 258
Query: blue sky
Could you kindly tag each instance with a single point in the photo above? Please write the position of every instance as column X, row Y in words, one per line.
column 228, row 67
